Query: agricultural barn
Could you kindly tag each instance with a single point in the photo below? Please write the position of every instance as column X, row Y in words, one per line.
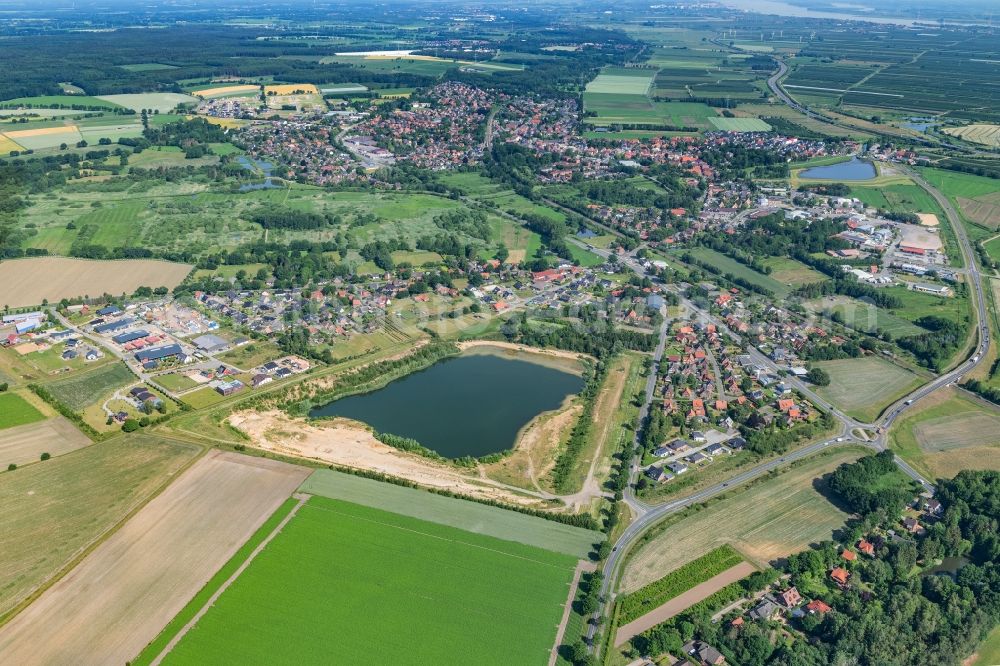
column 122, row 338
column 210, row 343
column 113, row 325
column 158, row 353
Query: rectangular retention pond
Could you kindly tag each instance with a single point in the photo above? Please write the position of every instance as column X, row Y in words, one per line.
column 470, row 405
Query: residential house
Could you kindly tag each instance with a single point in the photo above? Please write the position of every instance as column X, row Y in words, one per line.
column 818, row 606
column 765, row 610
column 840, row 576
column 704, row 653
column 790, row 597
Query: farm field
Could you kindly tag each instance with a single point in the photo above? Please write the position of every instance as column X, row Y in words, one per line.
column 622, row 81
column 40, row 138
column 425, row 581
column 30, row 281
column 212, row 91
column 16, row 411
column 976, row 197
column 64, row 101
column 863, row 387
column 162, row 102
column 416, row 64
column 740, row 124
column 51, row 511
column 86, row 388
column 25, row 443
column 157, row 561
column 457, row 513
column 987, row 135
column 775, row 517
column 725, row 264
column 948, row 431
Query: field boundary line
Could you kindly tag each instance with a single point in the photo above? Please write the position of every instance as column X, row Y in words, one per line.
column 581, row 566
column 229, row 581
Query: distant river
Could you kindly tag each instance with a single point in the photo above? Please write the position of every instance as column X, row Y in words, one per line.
column 473, row 404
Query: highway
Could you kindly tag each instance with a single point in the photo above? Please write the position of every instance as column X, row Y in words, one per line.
column 647, row 516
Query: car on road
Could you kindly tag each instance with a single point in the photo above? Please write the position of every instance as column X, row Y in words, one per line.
column 840, row 439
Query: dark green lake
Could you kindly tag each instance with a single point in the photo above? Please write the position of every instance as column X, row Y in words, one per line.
column 473, row 404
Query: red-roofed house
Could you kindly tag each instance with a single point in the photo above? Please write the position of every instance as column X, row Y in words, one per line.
column 817, row 606
column 849, row 555
column 840, row 576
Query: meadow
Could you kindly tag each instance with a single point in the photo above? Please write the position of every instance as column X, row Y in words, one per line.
column 865, row 317
column 448, row 595
column 86, row 388
column 863, row 387
column 947, row 432
column 792, row 273
column 724, row 264
column 16, row 411
column 50, row 512
column 774, row 517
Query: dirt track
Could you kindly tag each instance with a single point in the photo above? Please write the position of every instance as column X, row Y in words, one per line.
column 122, row 595
column 683, row 602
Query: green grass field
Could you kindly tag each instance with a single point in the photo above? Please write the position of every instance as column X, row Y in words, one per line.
column 622, row 81
column 727, row 265
column 461, row 514
column 866, row 317
column 359, row 585
column 87, row 388
column 49, row 511
column 252, row 355
column 55, row 101
column 793, row 273
column 863, row 387
column 15, row 411
column 740, row 124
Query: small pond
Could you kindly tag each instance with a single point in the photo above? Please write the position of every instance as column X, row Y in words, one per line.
column 474, row 404
column 949, row 567
column 854, row 169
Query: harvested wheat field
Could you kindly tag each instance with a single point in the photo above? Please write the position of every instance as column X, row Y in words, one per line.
column 222, row 91
column 24, row 444
column 7, row 145
column 27, row 282
column 122, row 594
column 292, row 89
